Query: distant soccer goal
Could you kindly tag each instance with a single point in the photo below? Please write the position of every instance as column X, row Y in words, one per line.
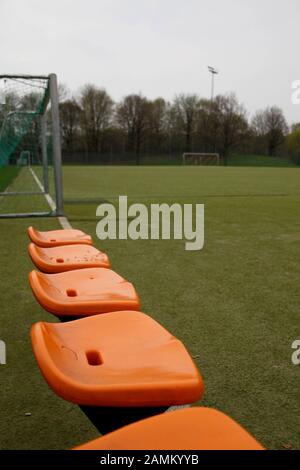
column 201, row 159
column 30, row 152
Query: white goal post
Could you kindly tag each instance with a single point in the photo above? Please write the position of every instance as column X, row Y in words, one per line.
column 201, row 159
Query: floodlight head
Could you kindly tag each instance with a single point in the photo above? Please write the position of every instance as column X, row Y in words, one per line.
column 213, row 70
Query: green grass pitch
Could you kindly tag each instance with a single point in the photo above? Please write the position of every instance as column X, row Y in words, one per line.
column 235, row 304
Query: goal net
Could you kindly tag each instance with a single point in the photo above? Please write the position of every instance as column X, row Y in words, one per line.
column 201, row 159
column 30, row 156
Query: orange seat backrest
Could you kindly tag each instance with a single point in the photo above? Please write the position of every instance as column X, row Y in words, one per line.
column 58, row 237
column 83, row 292
column 118, row 359
column 188, row 429
column 67, row 258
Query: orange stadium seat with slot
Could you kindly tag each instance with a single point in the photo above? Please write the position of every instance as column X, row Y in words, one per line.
column 67, row 258
column 83, row 292
column 187, row 429
column 121, row 359
column 58, row 237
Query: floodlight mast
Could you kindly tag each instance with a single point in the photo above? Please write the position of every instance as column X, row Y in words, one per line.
column 213, row 72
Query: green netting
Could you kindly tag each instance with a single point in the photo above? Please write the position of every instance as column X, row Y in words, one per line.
column 26, row 171
column 23, row 101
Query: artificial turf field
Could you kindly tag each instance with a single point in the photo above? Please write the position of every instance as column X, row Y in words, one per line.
column 235, row 304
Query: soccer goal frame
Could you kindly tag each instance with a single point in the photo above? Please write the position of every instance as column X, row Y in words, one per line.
column 51, row 101
column 201, row 158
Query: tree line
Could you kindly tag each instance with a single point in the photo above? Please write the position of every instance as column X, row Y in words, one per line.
column 95, row 127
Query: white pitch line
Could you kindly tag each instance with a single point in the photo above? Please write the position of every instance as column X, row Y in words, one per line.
column 65, row 224
column 48, row 198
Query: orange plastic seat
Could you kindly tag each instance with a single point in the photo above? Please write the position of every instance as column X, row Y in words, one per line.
column 58, row 237
column 83, row 292
column 67, row 258
column 188, row 429
column 121, row 359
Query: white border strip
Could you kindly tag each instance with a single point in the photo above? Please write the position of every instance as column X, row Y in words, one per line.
column 65, row 224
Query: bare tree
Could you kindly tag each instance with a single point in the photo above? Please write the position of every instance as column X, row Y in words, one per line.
column 208, row 125
column 97, row 112
column 186, row 109
column 293, row 144
column 172, row 131
column 232, row 124
column 70, row 116
column 132, row 115
column 157, row 124
column 271, row 125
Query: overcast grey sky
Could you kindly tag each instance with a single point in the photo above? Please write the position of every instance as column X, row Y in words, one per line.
column 159, row 47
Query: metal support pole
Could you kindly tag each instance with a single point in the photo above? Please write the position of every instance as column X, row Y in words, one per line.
column 44, row 153
column 213, row 72
column 57, row 159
